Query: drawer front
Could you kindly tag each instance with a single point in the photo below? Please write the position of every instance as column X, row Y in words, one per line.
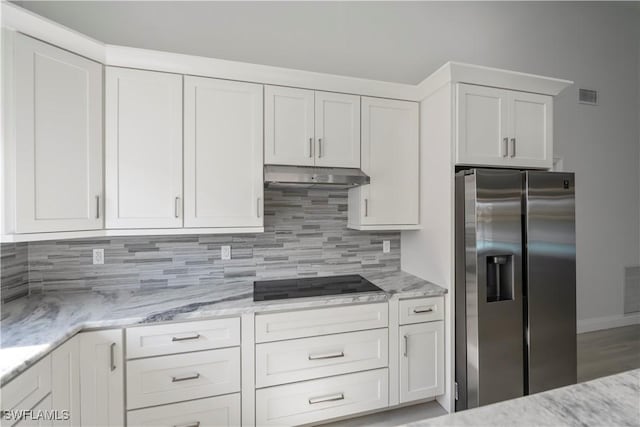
column 214, row 411
column 145, row 341
column 316, row 400
column 29, row 388
column 421, row 310
column 308, row 358
column 323, row 321
column 169, row 379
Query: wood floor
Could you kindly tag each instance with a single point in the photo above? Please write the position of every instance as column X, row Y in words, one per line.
column 600, row 353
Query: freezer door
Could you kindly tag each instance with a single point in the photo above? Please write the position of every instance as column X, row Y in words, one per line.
column 493, row 286
column 550, row 280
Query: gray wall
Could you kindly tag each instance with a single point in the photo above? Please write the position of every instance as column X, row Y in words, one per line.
column 305, row 235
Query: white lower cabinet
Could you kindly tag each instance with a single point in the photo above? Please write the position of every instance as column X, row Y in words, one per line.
column 421, row 361
column 316, row 400
column 102, row 378
column 65, row 382
column 214, row 411
column 168, row 379
column 39, row 410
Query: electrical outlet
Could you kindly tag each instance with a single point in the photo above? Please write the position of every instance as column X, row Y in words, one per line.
column 98, row 256
column 386, row 246
column 225, row 252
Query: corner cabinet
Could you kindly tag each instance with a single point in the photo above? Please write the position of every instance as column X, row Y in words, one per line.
column 311, row 128
column 143, row 153
column 55, row 149
column 503, row 128
column 223, row 135
column 102, row 378
column 390, row 149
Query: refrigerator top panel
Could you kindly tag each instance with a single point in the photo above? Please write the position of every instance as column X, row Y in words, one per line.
column 493, row 285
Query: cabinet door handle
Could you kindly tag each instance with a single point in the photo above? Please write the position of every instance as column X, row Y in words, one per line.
column 187, row 378
column 177, row 207
column 421, row 310
column 194, row 424
column 406, row 345
column 366, row 207
column 112, row 356
column 329, row 398
column 310, row 147
column 258, row 206
column 97, row 207
column 319, row 147
column 326, row 355
column 190, row 337
column 505, row 147
column 513, row 147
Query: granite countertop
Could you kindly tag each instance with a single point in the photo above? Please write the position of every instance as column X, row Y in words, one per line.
column 607, row 401
column 33, row 326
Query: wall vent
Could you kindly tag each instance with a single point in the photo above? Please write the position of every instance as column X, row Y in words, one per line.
column 588, row 96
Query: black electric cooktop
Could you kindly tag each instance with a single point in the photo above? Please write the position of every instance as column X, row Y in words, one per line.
column 266, row 290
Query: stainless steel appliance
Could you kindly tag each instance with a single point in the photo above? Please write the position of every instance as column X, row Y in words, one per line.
column 515, row 292
column 277, row 176
column 267, row 290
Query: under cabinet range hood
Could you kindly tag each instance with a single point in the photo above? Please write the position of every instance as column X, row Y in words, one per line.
column 276, row 176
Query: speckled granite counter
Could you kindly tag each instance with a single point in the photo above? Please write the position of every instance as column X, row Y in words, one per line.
column 33, row 326
column 608, row 401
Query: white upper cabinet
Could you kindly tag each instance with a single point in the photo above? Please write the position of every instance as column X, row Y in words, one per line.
column 143, row 153
column 223, row 140
column 311, row 128
column 337, row 130
column 289, row 126
column 58, row 139
column 390, row 149
column 505, row 128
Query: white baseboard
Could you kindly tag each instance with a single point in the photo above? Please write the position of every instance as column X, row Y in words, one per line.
column 598, row 323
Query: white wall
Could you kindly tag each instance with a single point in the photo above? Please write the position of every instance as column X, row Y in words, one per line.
column 594, row 44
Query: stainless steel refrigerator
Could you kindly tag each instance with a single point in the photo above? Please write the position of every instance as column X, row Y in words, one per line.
column 515, row 296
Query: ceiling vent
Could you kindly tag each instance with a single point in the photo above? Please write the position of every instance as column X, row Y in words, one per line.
column 588, row 96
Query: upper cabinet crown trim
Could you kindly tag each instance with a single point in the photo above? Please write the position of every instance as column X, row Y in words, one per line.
column 458, row 72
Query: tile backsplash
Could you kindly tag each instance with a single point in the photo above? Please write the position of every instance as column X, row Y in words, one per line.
column 305, row 235
column 14, row 272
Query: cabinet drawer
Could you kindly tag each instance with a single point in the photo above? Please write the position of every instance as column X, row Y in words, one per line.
column 214, row 411
column 323, row 321
column 317, row 357
column 145, row 341
column 168, row 379
column 316, row 400
column 421, row 310
column 31, row 386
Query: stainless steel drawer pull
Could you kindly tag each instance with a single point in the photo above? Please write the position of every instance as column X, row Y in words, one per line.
column 421, row 310
column 258, row 206
column 366, row 207
column 310, row 147
column 112, row 356
column 319, row 147
column 329, row 398
column 187, row 378
column 513, row 147
column 97, row 207
column 505, row 151
column 188, row 337
column 326, row 355
column 176, row 207
column 195, row 424
column 406, row 345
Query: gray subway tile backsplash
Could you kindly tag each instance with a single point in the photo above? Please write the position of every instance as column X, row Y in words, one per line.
column 305, row 235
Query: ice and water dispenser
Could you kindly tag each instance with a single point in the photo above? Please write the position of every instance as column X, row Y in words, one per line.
column 500, row 276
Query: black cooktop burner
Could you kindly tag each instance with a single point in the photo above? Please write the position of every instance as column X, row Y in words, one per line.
column 265, row 290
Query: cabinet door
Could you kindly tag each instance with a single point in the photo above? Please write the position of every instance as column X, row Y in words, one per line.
column 482, row 126
column 101, row 378
column 390, row 157
column 143, row 129
column 289, row 126
column 531, row 129
column 45, row 404
column 421, row 361
column 65, row 381
column 337, row 130
column 58, row 111
column 223, row 153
